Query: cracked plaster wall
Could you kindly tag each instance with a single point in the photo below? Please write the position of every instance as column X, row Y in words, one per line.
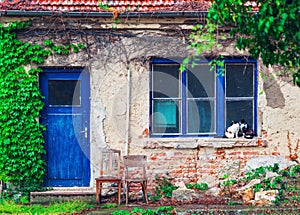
column 278, row 103
column 278, row 110
column 278, row 107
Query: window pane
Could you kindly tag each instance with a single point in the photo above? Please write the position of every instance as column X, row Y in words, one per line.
column 201, row 82
column 166, row 81
column 239, row 80
column 166, row 116
column 62, row 92
column 201, row 116
column 237, row 110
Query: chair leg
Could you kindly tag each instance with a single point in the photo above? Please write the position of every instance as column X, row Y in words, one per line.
column 100, row 191
column 144, row 190
column 127, row 192
column 119, row 192
column 97, row 192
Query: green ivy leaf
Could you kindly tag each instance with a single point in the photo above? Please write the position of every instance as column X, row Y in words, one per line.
column 48, row 43
column 21, row 137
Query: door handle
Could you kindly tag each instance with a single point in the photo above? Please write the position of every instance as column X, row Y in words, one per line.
column 85, row 131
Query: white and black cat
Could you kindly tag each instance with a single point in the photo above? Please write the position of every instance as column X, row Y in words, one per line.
column 239, row 129
column 233, row 130
column 246, row 130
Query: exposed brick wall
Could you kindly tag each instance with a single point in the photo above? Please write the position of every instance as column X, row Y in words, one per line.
column 200, row 164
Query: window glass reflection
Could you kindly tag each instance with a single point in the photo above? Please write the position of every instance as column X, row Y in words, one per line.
column 61, row 92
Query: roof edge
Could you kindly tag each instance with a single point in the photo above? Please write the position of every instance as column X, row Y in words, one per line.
column 156, row 14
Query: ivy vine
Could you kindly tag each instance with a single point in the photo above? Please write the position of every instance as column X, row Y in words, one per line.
column 21, row 134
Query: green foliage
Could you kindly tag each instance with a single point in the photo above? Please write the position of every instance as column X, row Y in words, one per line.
column 296, row 78
column 231, row 203
column 225, row 176
column 291, row 172
column 272, row 32
column 109, row 205
column 71, row 207
column 121, row 212
column 269, row 30
column 162, row 210
column 3, row 177
column 257, row 187
column 259, row 172
column 20, row 194
column 296, row 198
column 21, row 139
column 137, row 210
column 103, row 6
column 204, row 41
column 286, row 182
column 228, row 182
column 59, row 49
column 164, row 188
column 201, row 186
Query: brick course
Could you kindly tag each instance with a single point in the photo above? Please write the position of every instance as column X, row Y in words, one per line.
column 189, row 165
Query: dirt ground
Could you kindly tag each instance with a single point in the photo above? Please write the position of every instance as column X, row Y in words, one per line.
column 205, row 205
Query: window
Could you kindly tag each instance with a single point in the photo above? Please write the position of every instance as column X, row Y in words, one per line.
column 198, row 102
column 64, row 92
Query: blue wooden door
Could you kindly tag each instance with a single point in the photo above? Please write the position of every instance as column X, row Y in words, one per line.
column 66, row 117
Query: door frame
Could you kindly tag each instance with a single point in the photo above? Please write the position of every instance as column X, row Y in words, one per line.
column 83, row 75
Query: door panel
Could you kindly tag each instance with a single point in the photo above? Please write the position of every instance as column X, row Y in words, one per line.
column 66, row 117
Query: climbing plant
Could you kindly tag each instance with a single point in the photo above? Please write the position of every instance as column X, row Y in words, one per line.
column 21, row 137
column 268, row 29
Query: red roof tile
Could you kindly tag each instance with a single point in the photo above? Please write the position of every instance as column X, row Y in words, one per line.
column 114, row 5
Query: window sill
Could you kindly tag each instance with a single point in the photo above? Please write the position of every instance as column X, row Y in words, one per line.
column 193, row 143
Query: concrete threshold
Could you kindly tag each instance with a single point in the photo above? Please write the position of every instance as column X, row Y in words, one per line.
column 61, row 194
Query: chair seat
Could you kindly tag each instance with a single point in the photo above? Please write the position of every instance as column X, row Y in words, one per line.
column 135, row 179
column 108, row 178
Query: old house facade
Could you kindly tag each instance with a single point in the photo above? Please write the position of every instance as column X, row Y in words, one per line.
column 124, row 91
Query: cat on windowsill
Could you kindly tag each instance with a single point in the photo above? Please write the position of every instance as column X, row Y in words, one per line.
column 239, row 129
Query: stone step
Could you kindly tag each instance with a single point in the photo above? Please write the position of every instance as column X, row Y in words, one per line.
column 63, row 194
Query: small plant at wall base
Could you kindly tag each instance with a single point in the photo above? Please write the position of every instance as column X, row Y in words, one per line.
column 163, row 188
column 198, row 186
column 21, row 138
column 284, row 181
column 162, row 210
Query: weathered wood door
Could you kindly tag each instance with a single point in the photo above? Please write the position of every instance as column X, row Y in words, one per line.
column 66, row 117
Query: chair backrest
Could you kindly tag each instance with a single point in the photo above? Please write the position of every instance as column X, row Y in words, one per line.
column 135, row 166
column 110, row 162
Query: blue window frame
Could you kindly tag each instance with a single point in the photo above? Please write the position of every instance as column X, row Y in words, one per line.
column 198, row 102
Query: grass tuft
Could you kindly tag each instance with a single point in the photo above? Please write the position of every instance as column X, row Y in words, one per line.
column 70, row 207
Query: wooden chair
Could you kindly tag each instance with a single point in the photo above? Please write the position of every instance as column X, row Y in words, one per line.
column 135, row 172
column 109, row 171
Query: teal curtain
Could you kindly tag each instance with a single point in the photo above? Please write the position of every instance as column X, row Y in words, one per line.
column 165, row 114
